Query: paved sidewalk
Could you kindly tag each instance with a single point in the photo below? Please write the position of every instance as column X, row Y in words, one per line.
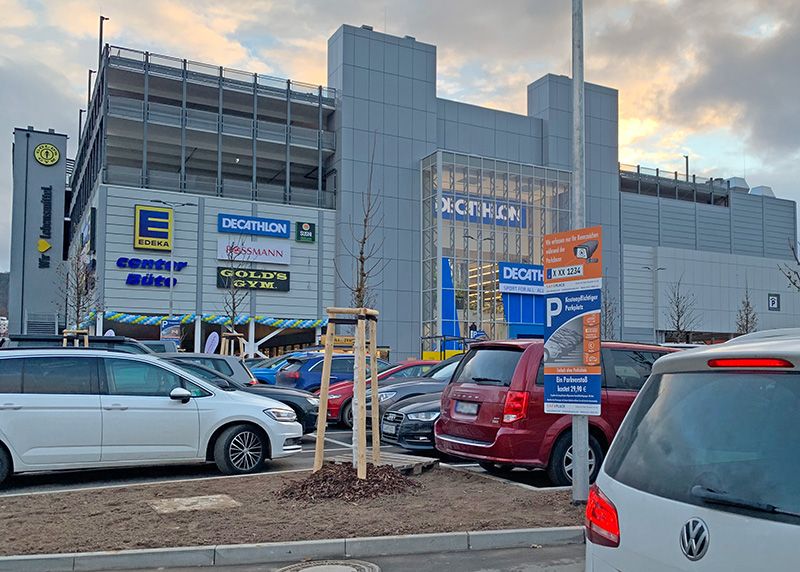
column 552, row 559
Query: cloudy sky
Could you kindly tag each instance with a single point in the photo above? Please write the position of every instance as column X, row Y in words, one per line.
column 715, row 79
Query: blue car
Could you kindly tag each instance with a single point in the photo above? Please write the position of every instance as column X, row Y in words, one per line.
column 266, row 370
column 305, row 371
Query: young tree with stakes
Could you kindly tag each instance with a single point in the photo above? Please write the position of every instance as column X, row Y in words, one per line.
column 367, row 254
column 235, row 297
column 681, row 312
column 77, row 287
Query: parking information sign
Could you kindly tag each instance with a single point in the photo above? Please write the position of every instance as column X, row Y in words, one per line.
column 573, row 278
column 171, row 330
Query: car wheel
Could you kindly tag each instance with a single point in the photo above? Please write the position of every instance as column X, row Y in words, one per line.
column 560, row 467
column 5, row 465
column 240, row 450
column 346, row 417
column 496, row 468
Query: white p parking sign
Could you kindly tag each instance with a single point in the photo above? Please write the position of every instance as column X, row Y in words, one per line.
column 774, row 302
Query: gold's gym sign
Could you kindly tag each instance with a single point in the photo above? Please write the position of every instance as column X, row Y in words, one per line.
column 46, row 154
column 252, row 279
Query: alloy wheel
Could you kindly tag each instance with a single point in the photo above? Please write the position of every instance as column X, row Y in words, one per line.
column 568, row 462
column 245, row 450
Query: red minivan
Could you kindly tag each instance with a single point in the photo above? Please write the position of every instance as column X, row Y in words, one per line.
column 500, row 386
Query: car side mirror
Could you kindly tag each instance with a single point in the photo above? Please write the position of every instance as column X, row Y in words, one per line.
column 180, row 394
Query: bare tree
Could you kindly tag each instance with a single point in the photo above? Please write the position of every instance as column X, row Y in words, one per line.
column 681, row 311
column 367, row 252
column 746, row 317
column 77, row 287
column 236, row 296
column 792, row 274
column 608, row 314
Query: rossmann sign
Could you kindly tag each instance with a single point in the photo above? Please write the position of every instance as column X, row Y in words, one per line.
column 485, row 211
column 253, row 225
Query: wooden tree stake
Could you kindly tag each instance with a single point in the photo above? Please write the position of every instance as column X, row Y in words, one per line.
column 376, row 414
column 322, row 416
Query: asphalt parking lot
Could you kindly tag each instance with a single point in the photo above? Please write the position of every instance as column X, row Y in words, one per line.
column 337, row 443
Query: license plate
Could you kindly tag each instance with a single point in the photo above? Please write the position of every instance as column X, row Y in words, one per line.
column 466, row 408
column 389, row 429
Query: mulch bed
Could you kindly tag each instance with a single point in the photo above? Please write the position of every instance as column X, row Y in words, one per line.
column 342, row 482
column 441, row 500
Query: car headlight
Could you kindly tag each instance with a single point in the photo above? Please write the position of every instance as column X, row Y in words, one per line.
column 424, row 416
column 334, row 396
column 282, row 415
column 384, row 395
column 313, row 401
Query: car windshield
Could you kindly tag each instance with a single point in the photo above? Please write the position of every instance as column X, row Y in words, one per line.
column 269, row 362
column 203, row 373
column 692, row 436
column 489, row 366
column 444, row 373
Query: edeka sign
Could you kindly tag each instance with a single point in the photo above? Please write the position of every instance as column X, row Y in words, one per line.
column 518, row 278
column 235, row 249
column 253, row 279
column 253, row 225
column 153, row 227
column 573, row 283
column 149, row 278
column 485, row 211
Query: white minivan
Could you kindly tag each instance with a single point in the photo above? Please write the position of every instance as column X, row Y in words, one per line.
column 703, row 473
column 78, row 409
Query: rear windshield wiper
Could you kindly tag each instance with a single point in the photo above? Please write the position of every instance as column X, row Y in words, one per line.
column 487, row 381
column 714, row 497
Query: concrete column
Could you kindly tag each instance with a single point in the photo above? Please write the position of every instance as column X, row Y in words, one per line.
column 251, row 339
column 98, row 324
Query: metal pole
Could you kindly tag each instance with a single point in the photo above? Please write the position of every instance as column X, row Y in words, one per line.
column 171, row 265
column 80, row 122
column 580, row 423
column 89, row 89
column 100, row 43
column 687, row 166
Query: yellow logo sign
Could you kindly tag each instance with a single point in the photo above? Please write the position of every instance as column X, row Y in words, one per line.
column 152, row 229
column 46, row 154
column 43, row 246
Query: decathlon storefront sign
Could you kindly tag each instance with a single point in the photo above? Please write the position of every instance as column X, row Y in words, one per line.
column 518, row 278
column 233, row 249
column 239, row 224
column 485, row 211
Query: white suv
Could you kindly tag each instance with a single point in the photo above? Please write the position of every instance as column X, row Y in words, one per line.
column 79, row 409
column 703, row 473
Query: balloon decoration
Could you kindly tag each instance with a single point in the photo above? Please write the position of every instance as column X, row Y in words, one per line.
column 217, row 319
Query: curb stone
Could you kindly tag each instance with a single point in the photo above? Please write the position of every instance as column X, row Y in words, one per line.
column 267, row 553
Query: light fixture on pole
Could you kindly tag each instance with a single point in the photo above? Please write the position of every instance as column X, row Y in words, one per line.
column 174, row 206
column 654, row 271
column 100, row 43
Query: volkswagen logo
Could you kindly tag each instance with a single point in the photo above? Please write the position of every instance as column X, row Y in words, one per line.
column 694, row 539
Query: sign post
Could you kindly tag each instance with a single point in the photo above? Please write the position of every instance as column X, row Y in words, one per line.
column 573, row 266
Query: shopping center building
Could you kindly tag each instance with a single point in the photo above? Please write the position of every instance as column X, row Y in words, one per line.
column 265, row 179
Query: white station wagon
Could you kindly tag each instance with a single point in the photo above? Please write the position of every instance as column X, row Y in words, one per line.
column 704, row 473
column 79, row 409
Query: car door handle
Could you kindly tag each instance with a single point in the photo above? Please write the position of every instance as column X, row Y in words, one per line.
column 116, row 407
column 11, row 406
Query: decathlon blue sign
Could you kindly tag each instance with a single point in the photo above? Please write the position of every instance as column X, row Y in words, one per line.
column 253, row 225
column 518, row 278
column 485, row 211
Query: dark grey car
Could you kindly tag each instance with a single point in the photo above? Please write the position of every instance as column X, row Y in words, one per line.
column 409, row 423
column 392, row 393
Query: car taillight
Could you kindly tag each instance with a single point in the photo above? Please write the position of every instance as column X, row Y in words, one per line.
column 515, row 407
column 253, row 381
column 602, row 521
column 749, row 362
column 291, row 374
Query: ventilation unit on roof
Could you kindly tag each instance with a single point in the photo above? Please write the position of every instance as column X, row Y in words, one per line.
column 738, row 184
column 366, row 27
column 762, row 191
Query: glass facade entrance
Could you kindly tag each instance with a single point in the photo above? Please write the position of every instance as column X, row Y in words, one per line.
column 477, row 212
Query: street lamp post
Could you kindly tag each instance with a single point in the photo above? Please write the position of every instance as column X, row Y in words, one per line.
column 174, row 206
column 100, row 43
column 654, row 272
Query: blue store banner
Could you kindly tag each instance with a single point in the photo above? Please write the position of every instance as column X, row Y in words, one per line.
column 241, row 224
column 519, row 278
